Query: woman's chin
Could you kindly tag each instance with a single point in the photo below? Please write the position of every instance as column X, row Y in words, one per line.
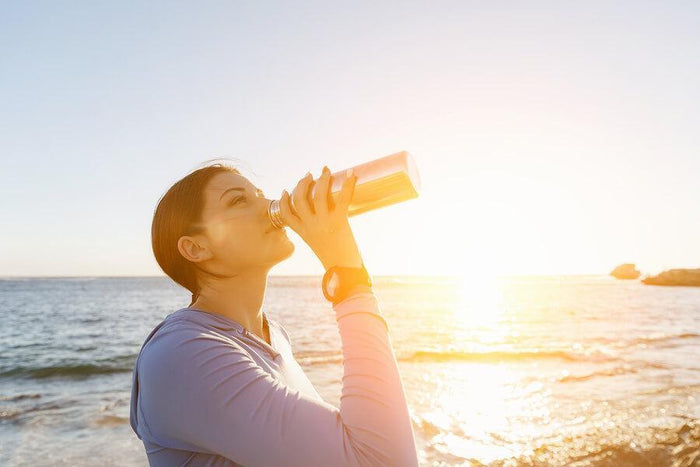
column 286, row 250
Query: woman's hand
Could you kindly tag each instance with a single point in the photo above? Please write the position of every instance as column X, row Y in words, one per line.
column 325, row 228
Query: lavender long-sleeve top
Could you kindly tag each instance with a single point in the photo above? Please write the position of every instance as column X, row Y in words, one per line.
column 206, row 391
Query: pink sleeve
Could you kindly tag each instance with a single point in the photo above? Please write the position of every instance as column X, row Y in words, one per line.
column 209, row 395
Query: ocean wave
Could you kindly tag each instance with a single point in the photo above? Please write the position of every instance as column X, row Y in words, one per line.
column 617, row 371
column 630, row 367
column 75, row 369
column 505, row 355
column 320, row 357
column 653, row 339
column 19, row 397
column 10, row 412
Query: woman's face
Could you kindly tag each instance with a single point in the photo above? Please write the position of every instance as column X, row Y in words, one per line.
column 237, row 230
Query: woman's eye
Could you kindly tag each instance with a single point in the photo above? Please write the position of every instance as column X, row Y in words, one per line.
column 236, row 200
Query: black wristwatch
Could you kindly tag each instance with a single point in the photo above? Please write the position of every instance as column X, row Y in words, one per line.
column 338, row 281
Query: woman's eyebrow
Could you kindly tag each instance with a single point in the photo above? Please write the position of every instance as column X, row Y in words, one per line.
column 239, row 188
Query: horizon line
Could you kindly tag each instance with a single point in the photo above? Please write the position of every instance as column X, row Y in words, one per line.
column 126, row 276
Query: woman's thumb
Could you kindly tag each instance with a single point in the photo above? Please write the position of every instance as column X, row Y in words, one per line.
column 286, row 209
column 348, row 190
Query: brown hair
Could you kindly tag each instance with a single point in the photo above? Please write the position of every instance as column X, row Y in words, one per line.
column 177, row 213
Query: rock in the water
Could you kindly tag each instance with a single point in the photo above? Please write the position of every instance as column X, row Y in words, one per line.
column 687, row 277
column 625, row 271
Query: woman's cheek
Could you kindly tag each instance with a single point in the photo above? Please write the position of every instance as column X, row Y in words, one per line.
column 219, row 234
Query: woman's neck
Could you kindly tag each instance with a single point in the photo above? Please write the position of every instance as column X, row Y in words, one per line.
column 239, row 298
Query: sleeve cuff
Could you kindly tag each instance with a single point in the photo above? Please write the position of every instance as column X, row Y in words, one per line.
column 361, row 300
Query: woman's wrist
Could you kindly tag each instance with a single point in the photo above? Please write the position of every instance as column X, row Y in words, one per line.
column 346, row 261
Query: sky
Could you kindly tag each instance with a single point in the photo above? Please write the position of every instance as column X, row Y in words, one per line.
column 550, row 137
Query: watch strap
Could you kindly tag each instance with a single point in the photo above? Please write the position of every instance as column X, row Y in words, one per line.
column 351, row 279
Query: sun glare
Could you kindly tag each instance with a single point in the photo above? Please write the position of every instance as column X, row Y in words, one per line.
column 478, row 405
column 479, row 303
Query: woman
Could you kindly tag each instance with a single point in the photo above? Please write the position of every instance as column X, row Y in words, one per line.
column 216, row 383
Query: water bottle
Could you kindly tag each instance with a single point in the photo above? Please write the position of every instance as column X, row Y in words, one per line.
column 380, row 182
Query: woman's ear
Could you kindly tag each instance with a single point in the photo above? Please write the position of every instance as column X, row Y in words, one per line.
column 192, row 249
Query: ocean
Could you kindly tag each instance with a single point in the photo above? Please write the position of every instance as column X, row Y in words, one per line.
column 514, row 371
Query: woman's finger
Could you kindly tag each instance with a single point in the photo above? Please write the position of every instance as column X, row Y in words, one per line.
column 346, row 192
column 321, row 192
column 286, row 209
column 300, row 197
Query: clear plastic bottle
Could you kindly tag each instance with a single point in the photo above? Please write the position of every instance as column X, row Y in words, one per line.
column 380, row 182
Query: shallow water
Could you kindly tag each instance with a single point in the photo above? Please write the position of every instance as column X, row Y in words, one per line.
column 564, row 370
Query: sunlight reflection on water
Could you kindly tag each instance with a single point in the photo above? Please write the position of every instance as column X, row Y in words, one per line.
column 534, row 372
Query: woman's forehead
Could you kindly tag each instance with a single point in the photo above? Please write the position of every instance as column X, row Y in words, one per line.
column 225, row 180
